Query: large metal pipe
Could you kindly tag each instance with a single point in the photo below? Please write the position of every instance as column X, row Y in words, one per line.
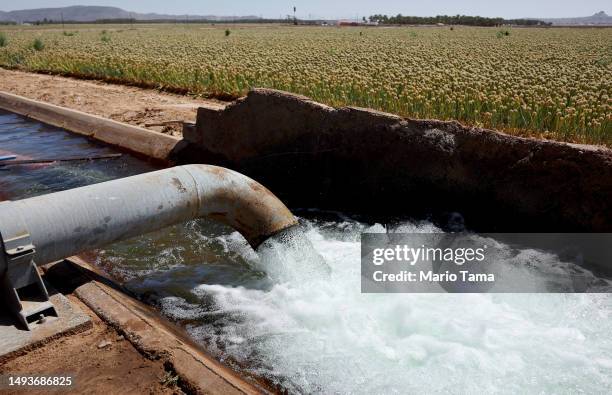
column 66, row 223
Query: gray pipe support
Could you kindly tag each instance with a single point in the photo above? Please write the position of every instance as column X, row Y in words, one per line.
column 66, row 223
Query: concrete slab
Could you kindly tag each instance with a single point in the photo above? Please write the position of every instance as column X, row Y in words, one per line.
column 15, row 341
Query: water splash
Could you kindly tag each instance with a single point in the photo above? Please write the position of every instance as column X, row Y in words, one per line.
column 290, row 256
column 312, row 331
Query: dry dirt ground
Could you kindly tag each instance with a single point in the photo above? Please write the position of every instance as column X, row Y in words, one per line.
column 141, row 107
column 99, row 360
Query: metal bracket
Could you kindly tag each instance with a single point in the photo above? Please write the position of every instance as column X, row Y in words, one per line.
column 24, row 292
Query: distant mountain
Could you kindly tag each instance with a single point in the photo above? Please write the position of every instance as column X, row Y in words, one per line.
column 94, row 13
column 598, row 19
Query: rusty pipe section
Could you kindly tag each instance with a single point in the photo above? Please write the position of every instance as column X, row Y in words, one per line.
column 66, row 223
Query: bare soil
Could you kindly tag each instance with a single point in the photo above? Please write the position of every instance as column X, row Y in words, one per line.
column 99, row 360
column 146, row 108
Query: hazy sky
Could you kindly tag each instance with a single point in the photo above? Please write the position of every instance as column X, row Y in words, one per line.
column 340, row 8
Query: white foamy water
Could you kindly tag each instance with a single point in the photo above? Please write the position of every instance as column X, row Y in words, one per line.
column 312, row 331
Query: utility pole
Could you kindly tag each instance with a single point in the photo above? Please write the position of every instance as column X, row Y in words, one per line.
column 294, row 18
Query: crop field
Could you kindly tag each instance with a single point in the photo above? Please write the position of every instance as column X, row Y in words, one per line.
column 550, row 83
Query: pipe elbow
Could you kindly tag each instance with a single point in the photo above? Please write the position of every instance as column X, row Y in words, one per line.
column 239, row 202
column 66, row 223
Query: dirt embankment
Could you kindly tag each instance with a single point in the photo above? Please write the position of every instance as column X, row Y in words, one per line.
column 141, row 107
column 354, row 159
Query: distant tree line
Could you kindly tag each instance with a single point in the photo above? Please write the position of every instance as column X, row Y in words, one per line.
column 46, row 21
column 194, row 21
column 400, row 19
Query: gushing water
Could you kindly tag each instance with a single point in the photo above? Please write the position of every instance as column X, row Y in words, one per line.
column 310, row 329
column 290, row 257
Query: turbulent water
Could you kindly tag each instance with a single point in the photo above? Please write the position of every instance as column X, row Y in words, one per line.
column 295, row 316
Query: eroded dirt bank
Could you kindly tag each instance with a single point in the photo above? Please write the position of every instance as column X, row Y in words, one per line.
column 136, row 106
column 353, row 159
